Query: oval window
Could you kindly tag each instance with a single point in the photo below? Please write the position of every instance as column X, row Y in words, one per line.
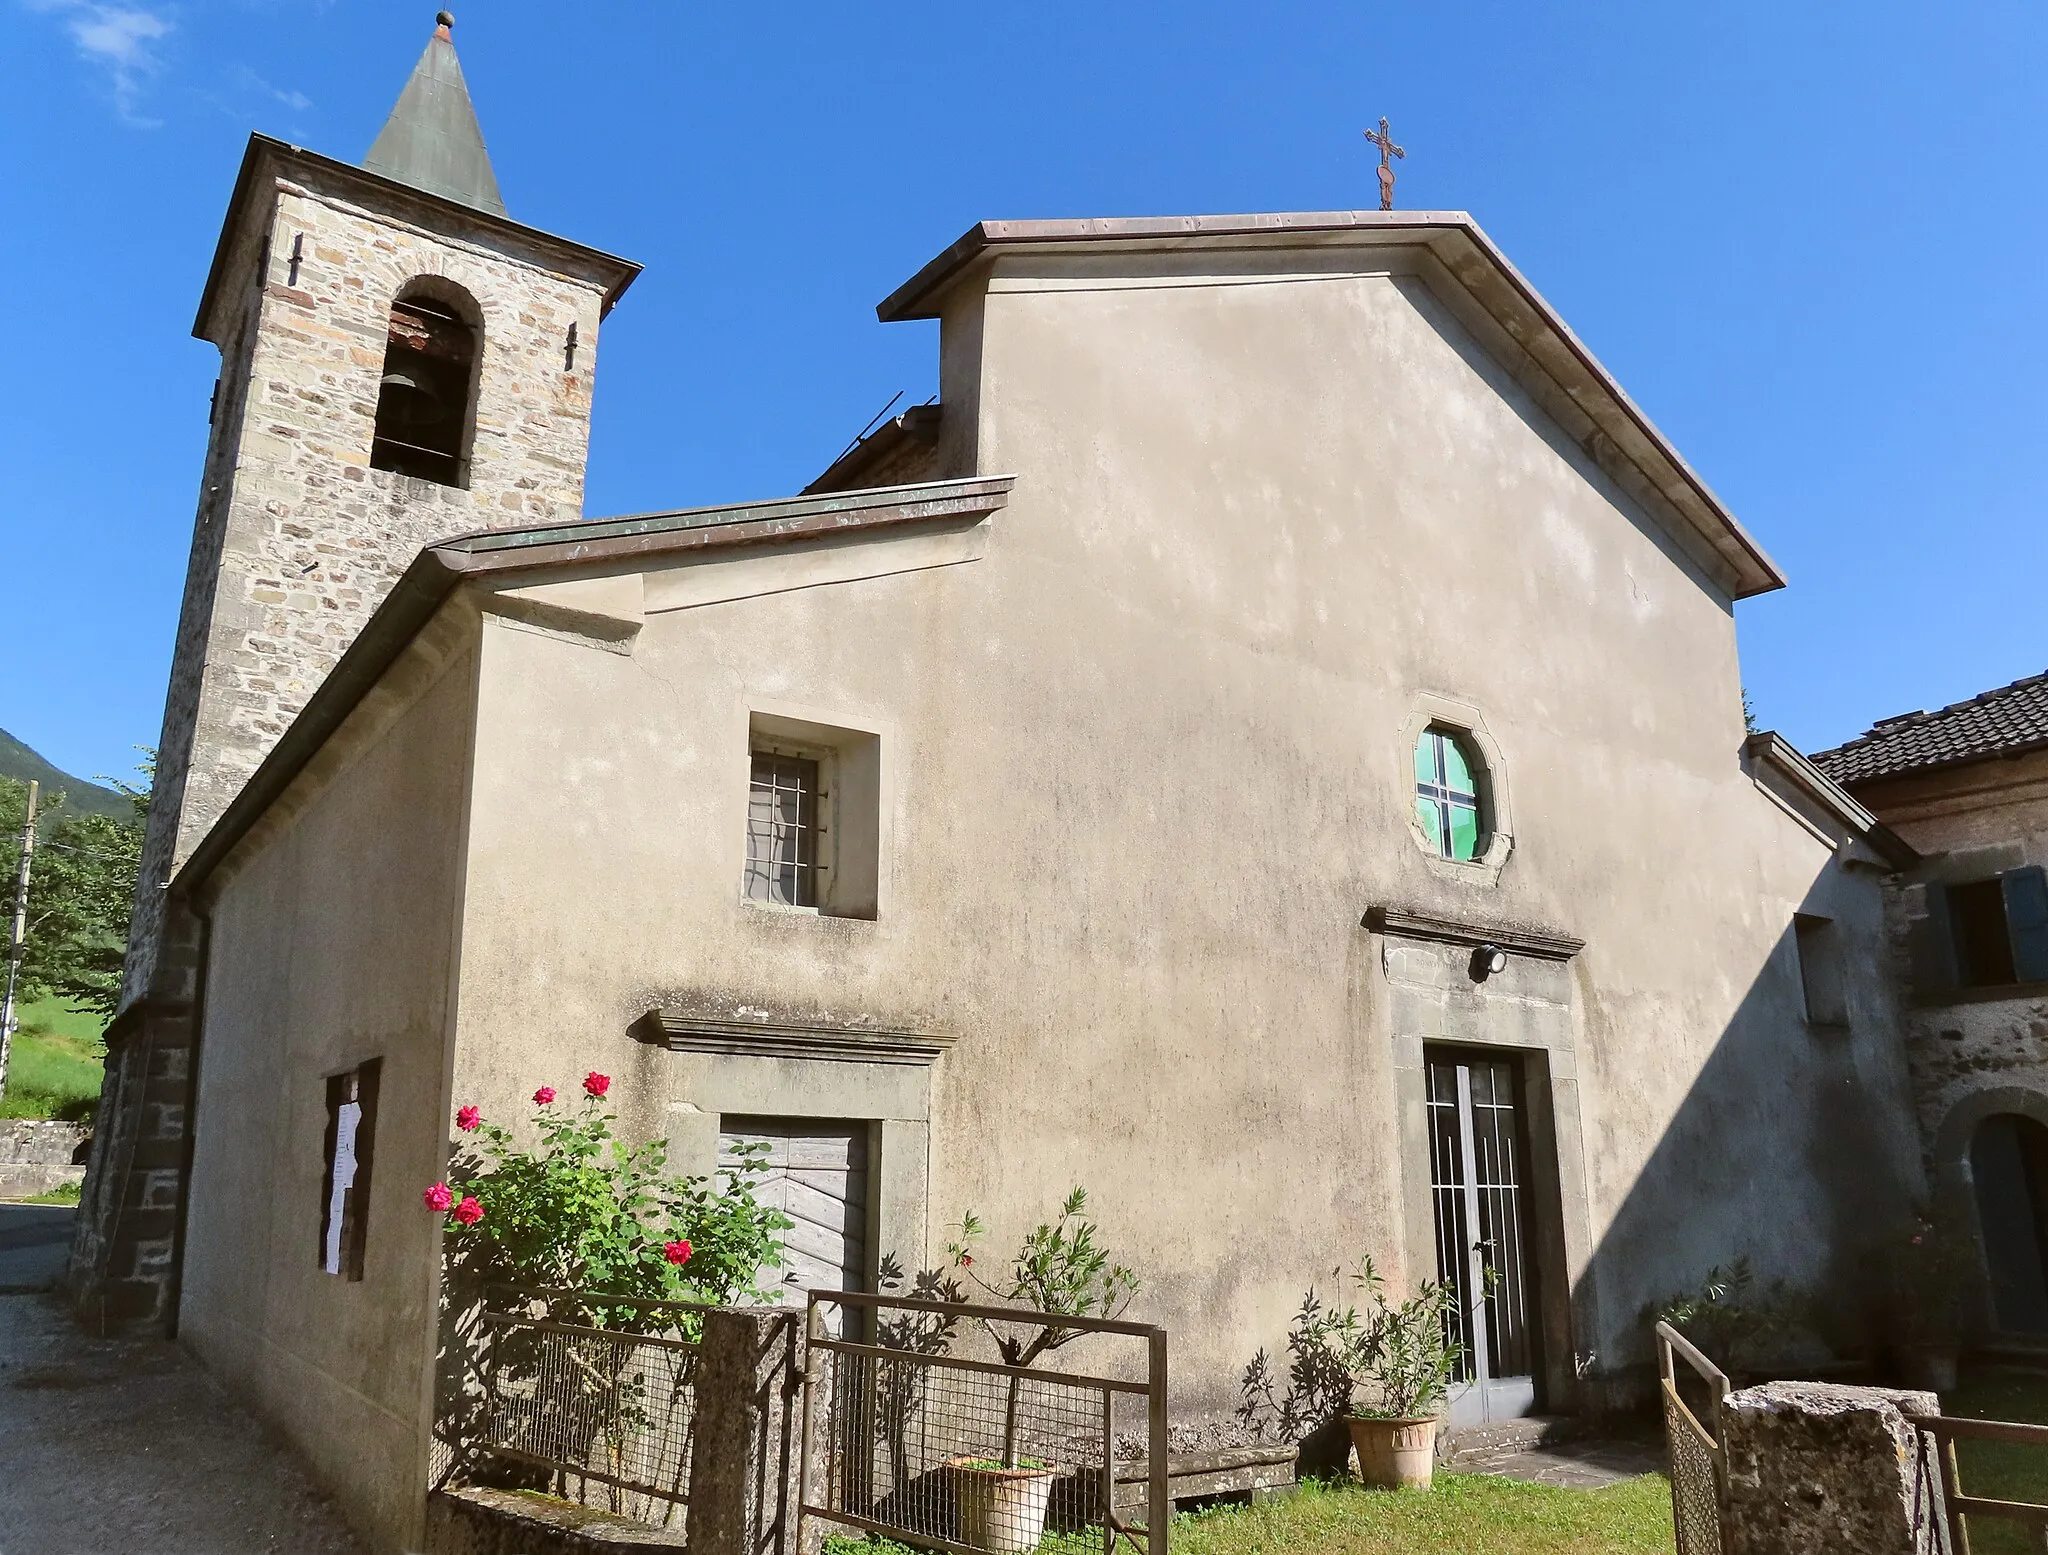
column 1447, row 804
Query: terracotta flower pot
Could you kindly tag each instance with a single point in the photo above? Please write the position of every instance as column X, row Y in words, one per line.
column 1001, row 1509
column 1394, row 1454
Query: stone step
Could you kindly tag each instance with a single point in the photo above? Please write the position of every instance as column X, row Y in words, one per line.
column 1522, row 1435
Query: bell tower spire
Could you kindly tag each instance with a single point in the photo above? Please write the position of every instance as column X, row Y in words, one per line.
column 432, row 140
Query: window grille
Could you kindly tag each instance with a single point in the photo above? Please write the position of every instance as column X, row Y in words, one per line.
column 782, row 831
column 1447, row 795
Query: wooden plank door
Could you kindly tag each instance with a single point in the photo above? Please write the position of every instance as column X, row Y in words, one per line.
column 817, row 1174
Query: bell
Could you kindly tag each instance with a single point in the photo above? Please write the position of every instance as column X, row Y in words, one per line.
column 411, row 398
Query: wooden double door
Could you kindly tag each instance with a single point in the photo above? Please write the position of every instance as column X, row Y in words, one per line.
column 1479, row 1184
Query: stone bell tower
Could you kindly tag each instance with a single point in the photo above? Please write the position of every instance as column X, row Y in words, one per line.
column 400, row 361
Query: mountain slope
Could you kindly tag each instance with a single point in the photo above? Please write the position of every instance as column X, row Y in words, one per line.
column 17, row 761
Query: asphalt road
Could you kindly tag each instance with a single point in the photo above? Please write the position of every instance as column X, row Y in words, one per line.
column 126, row 1446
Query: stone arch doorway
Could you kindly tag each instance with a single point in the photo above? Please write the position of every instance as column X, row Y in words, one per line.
column 2009, row 1175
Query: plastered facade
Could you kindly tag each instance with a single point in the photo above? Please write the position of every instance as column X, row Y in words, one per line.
column 1145, row 769
column 333, row 937
column 1145, row 773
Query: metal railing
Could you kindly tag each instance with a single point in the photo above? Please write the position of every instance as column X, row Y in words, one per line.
column 606, row 1404
column 1941, row 1433
column 1699, row 1462
column 975, row 1456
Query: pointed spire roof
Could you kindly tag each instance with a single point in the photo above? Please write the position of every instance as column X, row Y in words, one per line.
column 431, row 140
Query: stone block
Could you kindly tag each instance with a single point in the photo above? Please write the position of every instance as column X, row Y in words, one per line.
column 1824, row 1468
column 746, row 1450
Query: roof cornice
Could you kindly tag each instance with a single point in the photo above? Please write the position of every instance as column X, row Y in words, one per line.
column 1773, row 749
column 501, row 557
column 1615, row 434
column 266, row 160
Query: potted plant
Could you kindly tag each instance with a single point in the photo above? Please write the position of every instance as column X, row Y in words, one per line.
column 1928, row 1281
column 1402, row 1360
column 1060, row 1271
column 1384, row 1372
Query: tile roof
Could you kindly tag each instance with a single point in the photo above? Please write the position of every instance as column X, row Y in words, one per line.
column 2004, row 722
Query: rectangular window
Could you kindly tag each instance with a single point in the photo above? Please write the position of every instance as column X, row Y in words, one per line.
column 782, row 830
column 345, row 1184
column 1976, row 914
column 1986, row 933
column 1820, row 970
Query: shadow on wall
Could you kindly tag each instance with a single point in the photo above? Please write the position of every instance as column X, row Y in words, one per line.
column 1795, row 1147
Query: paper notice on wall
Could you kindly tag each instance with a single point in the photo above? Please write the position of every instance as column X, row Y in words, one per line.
column 344, row 1178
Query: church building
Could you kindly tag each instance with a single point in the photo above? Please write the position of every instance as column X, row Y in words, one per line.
column 1265, row 745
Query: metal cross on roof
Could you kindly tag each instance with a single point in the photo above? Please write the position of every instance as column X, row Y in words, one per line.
column 1384, row 139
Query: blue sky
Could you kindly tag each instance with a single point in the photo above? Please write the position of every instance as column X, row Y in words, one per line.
column 1807, row 239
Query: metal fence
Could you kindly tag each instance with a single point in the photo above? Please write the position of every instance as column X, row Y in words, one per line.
column 596, row 1390
column 1699, row 1464
column 1960, row 1510
column 932, row 1446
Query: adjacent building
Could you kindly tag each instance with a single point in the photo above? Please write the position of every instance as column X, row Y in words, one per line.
column 1967, row 787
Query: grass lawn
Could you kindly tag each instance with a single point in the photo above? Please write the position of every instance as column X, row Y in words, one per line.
column 1470, row 1514
column 56, row 1062
column 2003, row 1470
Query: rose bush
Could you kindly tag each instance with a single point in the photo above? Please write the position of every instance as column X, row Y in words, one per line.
column 583, row 1210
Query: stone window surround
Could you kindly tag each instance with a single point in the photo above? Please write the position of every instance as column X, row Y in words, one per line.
column 1538, row 989
column 1496, row 813
column 810, row 1069
column 855, row 809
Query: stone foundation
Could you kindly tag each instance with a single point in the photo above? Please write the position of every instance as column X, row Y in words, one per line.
column 477, row 1520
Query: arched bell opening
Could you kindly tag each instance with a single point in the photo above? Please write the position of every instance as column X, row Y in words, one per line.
column 426, row 399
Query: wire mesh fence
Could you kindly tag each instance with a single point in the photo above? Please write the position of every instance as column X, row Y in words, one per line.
column 1697, row 1461
column 939, row 1448
column 605, row 1406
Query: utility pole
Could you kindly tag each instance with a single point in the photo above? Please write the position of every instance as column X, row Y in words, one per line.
column 19, row 937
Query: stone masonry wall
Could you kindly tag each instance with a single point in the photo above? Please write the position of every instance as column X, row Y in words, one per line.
column 298, row 539
column 1968, row 824
column 38, row 1156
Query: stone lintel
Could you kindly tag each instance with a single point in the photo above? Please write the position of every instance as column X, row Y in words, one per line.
column 683, row 1033
column 1545, row 944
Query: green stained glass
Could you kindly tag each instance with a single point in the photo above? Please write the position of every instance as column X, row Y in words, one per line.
column 1447, row 795
column 1431, row 816
column 1457, row 771
column 1464, row 832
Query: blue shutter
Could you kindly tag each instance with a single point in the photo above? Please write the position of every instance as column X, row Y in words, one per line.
column 1936, row 967
column 2026, row 921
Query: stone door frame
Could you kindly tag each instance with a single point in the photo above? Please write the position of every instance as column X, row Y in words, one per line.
column 1528, row 1010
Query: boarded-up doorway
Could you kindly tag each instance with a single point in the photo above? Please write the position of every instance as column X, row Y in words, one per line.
column 817, row 1174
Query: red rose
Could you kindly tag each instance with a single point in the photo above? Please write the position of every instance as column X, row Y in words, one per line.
column 469, row 1212
column 438, row 1198
column 544, row 1095
column 966, row 1260
column 595, row 1084
column 677, row 1253
column 468, row 1119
